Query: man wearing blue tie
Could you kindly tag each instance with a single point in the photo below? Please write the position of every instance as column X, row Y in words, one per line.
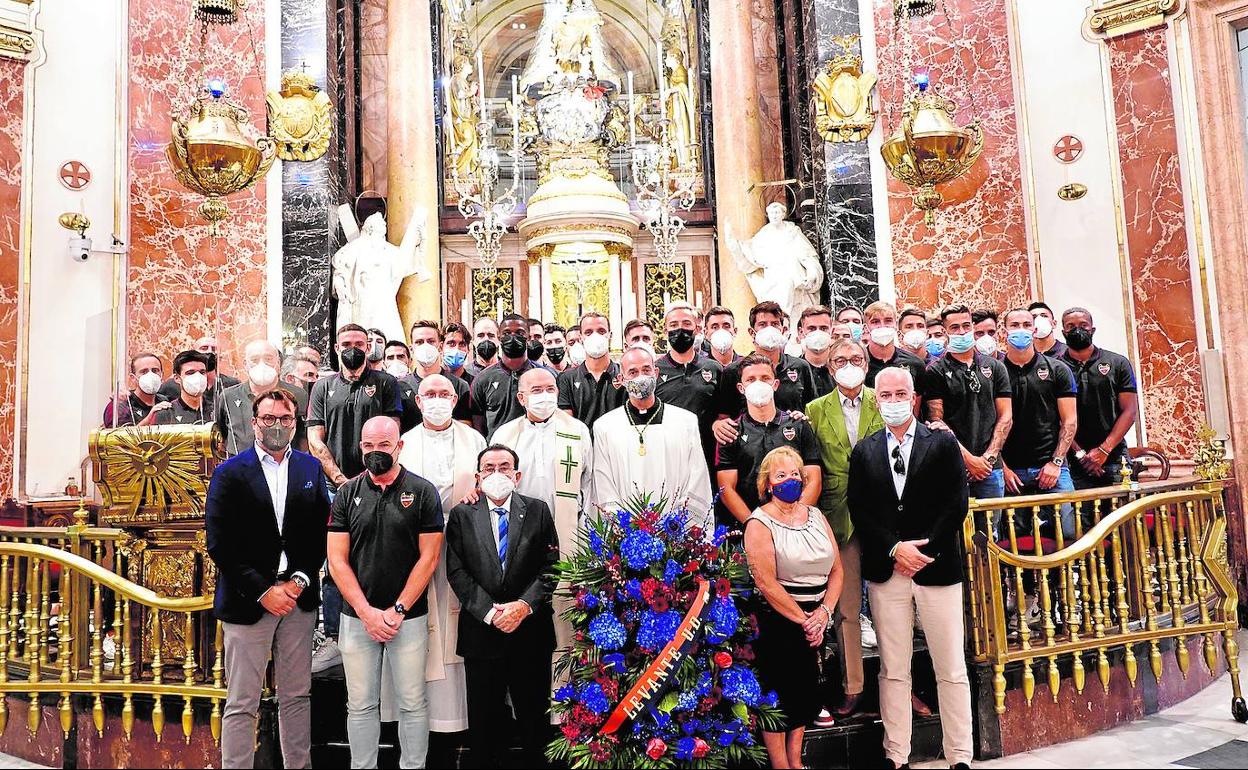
column 500, row 558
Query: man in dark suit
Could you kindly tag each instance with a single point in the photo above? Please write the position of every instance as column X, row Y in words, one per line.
column 500, row 558
column 907, row 499
column 266, row 520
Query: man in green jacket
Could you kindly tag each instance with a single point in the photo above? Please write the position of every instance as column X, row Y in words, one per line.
column 840, row 419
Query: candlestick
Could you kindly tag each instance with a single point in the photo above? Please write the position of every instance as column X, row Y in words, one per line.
column 632, row 115
column 697, row 301
column 500, row 309
column 464, row 316
column 481, row 83
column 662, row 83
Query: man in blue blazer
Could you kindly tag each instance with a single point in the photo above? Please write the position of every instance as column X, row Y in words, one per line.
column 267, row 514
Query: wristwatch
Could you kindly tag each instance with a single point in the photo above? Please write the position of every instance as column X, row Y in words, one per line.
column 1058, row 461
column 1079, row 455
column 300, row 581
column 399, row 608
column 990, row 459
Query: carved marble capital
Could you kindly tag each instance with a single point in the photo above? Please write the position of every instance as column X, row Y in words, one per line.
column 1112, row 18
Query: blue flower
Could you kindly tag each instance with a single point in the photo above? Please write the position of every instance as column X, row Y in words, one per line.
column 674, row 523
column 769, row 699
column 590, row 602
column 608, row 632
column 633, row 589
column 624, row 518
column 684, row 748
column 703, row 687
column 594, row 699
column 723, row 619
column 671, row 572
column 740, row 684
column 565, row 693
column 657, row 629
column 687, row 700
column 641, row 549
column 614, row 663
column 597, row 545
column 721, row 534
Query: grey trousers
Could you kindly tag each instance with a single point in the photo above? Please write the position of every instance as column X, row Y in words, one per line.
column 247, row 650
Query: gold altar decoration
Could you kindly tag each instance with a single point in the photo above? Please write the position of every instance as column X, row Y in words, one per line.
column 929, row 149
column 578, row 287
column 156, row 474
column 663, row 283
column 493, row 292
column 842, row 96
column 216, row 11
column 16, row 44
column 1210, row 460
column 75, row 222
column 1113, row 18
column 300, row 118
column 913, row 8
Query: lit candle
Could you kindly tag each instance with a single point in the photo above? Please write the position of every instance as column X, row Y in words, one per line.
column 481, row 83
column 464, row 316
column 697, row 301
column 667, row 300
column 500, row 309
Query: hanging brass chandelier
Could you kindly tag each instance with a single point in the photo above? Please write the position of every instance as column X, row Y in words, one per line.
column 214, row 150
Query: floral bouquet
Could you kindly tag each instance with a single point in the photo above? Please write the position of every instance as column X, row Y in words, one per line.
column 659, row 671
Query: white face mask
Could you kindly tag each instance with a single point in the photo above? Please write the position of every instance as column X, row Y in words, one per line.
column 721, row 340
column 849, row 376
column 542, row 405
column 262, row 375
column 425, row 354
column 914, row 338
column 884, row 336
column 986, row 344
column 397, row 369
column 149, row 383
column 896, row 413
column 817, row 341
column 1043, row 327
column 195, row 384
column 769, row 338
column 436, row 411
column 759, row 393
column 497, row 487
column 576, row 354
column 596, row 345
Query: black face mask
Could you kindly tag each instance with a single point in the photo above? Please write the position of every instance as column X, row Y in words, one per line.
column 514, row 346
column 536, row 348
column 378, row 463
column 680, row 340
column 212, row 362
column 352, row 359
column 555, row 354
column 1079, row 338
column 486, row 350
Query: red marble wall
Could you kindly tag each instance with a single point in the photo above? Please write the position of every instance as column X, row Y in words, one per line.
column 1157, row 247
column 12, row 83
column 767, row 78
column 181, row 283
column 977, row 250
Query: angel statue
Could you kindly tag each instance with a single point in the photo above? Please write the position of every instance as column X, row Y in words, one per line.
column 780, row 263
column 368, row 271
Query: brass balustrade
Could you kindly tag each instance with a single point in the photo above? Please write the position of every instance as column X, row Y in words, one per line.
column 1147, row 563
column 62, row 592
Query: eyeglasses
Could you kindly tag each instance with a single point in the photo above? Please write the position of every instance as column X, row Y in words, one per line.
column 899, row 465
column 269, row 420
column 856, row 361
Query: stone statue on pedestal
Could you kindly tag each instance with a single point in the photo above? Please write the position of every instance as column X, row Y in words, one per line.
column 780, row 263
column 368, row 271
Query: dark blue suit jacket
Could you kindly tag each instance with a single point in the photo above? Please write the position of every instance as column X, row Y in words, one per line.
column 243, row 538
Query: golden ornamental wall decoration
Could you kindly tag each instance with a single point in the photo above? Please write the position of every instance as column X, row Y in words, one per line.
column 300, row 118
column 842, row 96
column 1113, row 18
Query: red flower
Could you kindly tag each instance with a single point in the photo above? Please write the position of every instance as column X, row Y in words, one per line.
column 660, row 604
column 723, row 659
column 570, row 731
column 700, row 748
column 599, row 752
column 656, row 748
column 722, row 587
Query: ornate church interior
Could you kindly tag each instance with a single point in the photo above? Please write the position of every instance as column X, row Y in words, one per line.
column 200, row 175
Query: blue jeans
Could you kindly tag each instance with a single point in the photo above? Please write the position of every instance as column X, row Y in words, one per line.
column 987, row 488
column 361, row 662
column 1030, row 486
column 331, row 606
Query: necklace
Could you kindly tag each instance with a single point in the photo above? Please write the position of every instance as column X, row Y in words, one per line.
column 641, row 429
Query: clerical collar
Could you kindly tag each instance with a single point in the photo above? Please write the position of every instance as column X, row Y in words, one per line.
column 653, row 414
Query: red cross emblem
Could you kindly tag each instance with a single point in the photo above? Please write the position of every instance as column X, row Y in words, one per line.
column 75, row 175
column 1068, row 149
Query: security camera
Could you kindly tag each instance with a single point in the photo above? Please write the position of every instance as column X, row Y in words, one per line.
column 79, row 248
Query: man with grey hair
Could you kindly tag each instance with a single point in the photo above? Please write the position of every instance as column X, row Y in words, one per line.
column 907, row 499
column 262, row 365
column 300, row 371
column 687, row 379
column 653, row 447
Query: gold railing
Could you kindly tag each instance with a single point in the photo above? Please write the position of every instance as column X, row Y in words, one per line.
column 1147, row 563
column 65, row 605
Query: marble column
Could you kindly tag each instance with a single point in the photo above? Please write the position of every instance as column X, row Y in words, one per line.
column 12, row 90
column 412, row 168
column 738, row 144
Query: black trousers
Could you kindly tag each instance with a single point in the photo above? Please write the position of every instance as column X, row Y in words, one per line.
column 525, row 676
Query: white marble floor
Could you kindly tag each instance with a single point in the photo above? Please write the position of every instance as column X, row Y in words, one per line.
column 1198, row 724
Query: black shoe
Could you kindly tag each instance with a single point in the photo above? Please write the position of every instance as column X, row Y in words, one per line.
column 960, row 766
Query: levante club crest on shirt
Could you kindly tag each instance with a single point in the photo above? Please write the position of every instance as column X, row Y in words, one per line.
column 986, row 371
column 370, row 390
column 1043, row 374
column 792, row 375
column 406, row 499
column 790, row 433
column 1103, row 369
column 706, row 374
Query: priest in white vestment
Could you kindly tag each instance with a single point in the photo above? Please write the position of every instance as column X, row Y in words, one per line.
column 556, row 464
column 443, row 451
column 647, row 446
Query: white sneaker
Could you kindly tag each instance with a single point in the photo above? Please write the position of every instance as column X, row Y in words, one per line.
column 868, row 632
column 825, row 719
column 326, row 656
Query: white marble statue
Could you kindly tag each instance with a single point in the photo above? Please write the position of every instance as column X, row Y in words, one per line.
column 368, row 271
column 780, row 263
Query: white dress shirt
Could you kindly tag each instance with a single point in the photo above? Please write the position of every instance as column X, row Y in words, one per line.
column 851, row 409
column 494, row 517
column 276, row 475
column 906, row 444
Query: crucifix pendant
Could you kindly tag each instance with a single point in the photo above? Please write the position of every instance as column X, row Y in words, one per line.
column 641, row 449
